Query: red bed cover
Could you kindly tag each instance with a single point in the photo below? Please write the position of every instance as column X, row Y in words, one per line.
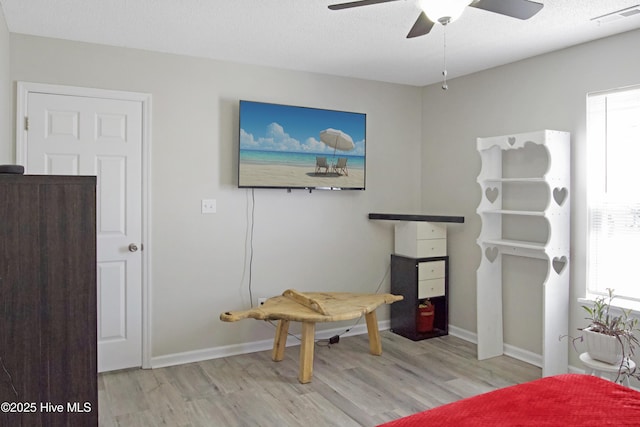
column 562, row 400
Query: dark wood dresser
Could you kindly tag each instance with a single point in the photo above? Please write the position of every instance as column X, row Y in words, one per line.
column 48, row 348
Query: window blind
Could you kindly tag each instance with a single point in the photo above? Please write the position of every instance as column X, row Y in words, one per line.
column 614, row 243
column 613, row 122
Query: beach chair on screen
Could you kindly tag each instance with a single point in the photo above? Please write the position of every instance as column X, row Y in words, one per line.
column 321, row 163
column 341, row 166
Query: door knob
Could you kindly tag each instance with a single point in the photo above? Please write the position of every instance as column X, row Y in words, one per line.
column 133, row 247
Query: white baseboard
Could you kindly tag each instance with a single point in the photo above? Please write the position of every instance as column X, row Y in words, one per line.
column 509, row 350
column 254, row 346
column 524, row 355
column 251, row 347
column 463, row 334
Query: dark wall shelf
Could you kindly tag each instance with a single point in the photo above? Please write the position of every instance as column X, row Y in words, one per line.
column 417, row 217
column 409, row 275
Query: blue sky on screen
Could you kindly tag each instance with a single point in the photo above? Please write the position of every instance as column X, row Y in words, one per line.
column 273, row 127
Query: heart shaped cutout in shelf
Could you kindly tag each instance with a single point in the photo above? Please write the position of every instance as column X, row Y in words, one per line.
column 560, row 195
column 492, row 194
column 511, row 140
column 559, row 263
column 491, row 253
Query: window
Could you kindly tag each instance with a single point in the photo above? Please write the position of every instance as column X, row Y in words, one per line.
column 613, row 192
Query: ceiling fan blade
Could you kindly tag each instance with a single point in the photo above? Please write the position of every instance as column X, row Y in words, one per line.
column 422, row 26
column 521, row 9
column 357, row 4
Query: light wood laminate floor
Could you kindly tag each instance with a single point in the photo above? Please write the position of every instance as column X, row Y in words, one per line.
column 350, row 387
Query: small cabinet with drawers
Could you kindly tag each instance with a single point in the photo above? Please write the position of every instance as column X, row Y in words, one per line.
column 418, row 279
column 431, row 276
column 420, row 239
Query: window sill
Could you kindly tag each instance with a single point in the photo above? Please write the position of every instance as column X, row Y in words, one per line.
column 617, row 306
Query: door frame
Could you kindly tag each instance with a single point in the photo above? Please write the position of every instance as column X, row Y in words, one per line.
column 23, row 91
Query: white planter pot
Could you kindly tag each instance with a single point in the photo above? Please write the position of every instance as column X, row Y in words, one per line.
column 605, row 348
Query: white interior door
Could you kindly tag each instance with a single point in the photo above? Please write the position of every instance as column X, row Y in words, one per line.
column 85, row 135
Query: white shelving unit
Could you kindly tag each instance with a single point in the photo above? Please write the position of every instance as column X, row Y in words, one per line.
column 525, row 211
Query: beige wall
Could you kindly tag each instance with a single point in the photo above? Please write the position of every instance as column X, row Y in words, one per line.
column 320, row 241
column 6, row 89
column 545, row 92
column 420, row 153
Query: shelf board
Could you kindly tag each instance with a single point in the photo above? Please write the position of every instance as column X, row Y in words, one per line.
column 418, row 336
column 417, row 217
column 514, row 244
column 516, row 248
column 513, row 212
column 516, row 180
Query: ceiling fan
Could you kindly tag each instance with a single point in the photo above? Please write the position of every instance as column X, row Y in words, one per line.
column 445, row 11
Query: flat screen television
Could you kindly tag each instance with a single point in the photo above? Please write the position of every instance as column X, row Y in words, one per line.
column 285, row 146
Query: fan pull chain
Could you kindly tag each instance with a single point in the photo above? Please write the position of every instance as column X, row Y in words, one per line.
column 444, row 59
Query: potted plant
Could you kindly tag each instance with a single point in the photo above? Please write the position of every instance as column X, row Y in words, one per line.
column 610, row 338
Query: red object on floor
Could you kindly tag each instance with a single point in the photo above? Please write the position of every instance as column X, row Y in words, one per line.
column 562, row 400
column 426, row 314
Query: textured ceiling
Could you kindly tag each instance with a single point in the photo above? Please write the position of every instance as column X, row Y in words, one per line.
column 366, row 42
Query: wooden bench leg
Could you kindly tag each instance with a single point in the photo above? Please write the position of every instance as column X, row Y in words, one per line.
column 280, row 341
column 375, row 345
column 306, row 352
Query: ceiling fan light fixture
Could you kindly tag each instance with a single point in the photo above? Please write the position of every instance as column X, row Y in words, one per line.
column 443, row 11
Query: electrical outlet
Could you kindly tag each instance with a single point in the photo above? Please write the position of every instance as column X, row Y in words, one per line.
column 208, row 206
column 261, row 301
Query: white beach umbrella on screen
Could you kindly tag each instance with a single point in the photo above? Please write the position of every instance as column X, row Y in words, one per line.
column 337, row 140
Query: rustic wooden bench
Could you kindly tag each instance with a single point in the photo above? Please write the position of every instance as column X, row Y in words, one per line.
column 310, row 308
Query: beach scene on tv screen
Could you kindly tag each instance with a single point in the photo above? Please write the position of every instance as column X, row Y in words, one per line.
column 291, row 147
